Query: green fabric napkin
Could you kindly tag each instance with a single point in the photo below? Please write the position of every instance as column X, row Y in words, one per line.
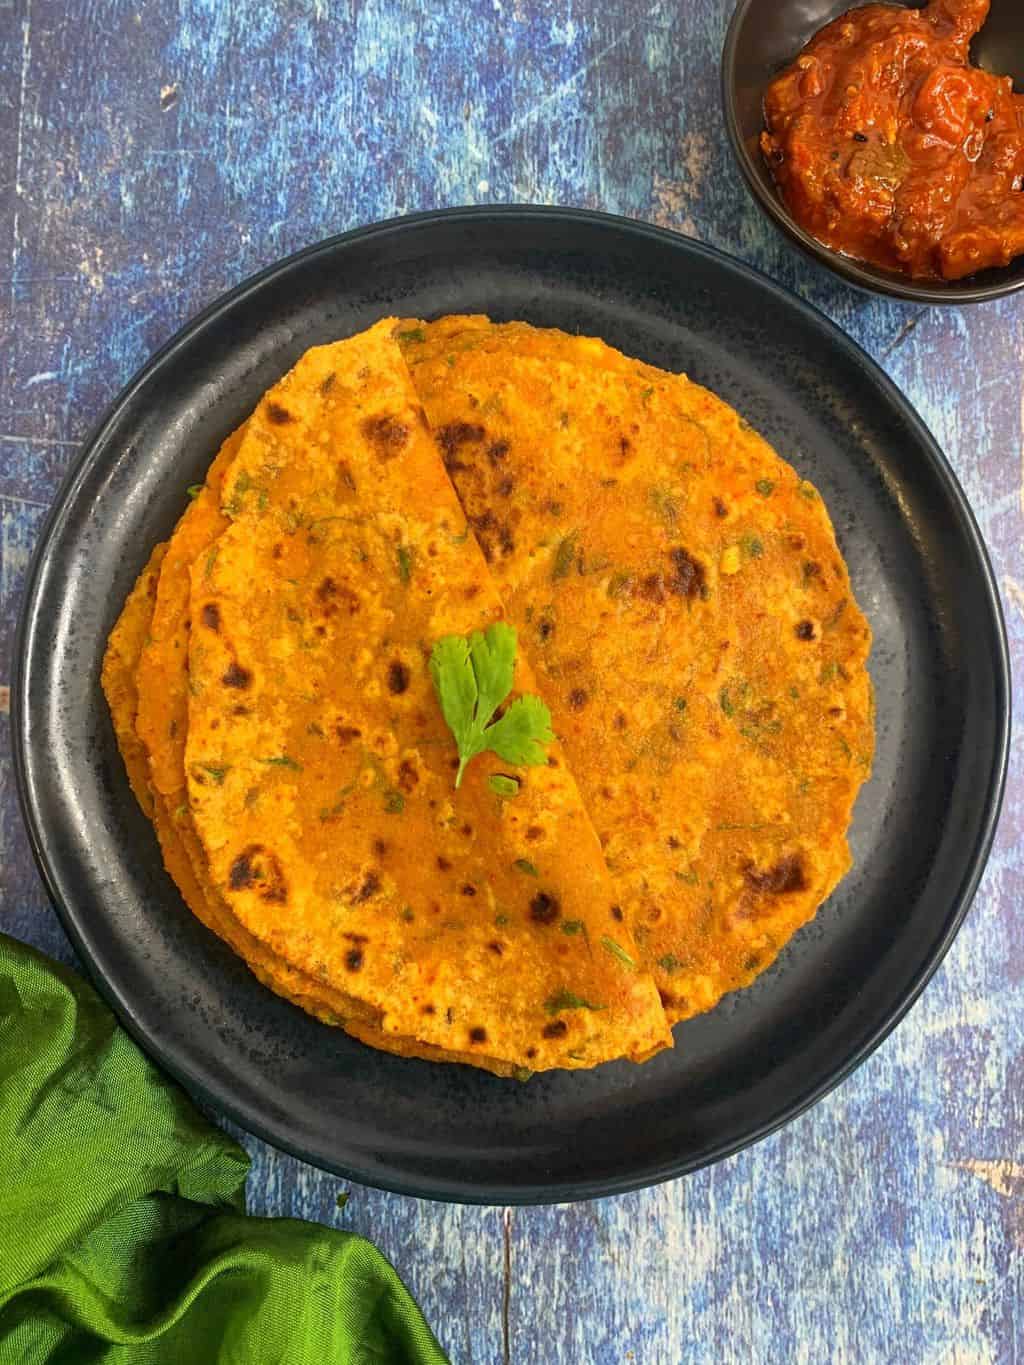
column 123, row 1236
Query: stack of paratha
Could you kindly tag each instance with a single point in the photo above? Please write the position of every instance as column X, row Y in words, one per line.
column 680, row 604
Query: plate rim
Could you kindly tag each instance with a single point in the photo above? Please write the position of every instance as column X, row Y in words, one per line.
column 451, row 1189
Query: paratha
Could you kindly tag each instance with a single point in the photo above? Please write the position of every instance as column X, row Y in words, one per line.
column 691, row 624
column 320, row 770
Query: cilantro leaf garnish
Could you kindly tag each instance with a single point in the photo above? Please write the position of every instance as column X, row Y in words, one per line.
column 472, row 677
column 566, row 1000
column 565, row 555
column 282, row 761
column 618, row 951
column 503, row 786
column 404, row 556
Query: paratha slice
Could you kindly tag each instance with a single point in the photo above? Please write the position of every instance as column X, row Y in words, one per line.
column 691, row 624
column 320, row 770
column 161, row 678
column 127, row 642
column 124, row 648
column 148, row 663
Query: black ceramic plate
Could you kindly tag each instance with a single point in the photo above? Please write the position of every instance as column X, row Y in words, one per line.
column 923, row 825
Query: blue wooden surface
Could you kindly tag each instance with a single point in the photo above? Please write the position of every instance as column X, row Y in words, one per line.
column 151, row 155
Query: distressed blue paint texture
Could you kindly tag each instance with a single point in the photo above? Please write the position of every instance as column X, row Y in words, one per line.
column 150, row 157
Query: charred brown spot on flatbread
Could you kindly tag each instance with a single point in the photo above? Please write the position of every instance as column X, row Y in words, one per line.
column 545, row 908
column 210, row 615
column 493, row 534
column 278, row 415
column 689, row 578
column 452, row 437
column 783, row 878
column 386, row 434
column 558, row 1028
column 399, row 677
column 242, row 872
column 369, row 887
column 332, row 596
column 236, row 676
column 652, row 588
column 257, row 869
column 671, row 1001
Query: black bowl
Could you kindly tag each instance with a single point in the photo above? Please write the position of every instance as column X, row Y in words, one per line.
column 764, row 36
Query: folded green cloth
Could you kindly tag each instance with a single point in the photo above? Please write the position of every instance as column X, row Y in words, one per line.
column 123, row 1236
